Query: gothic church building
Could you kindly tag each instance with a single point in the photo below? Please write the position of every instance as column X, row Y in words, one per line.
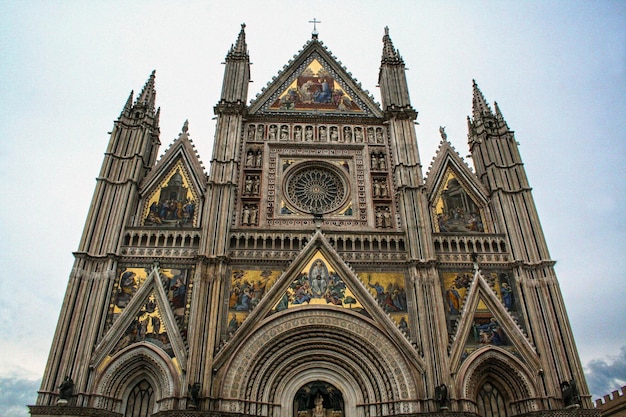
column 315, row 271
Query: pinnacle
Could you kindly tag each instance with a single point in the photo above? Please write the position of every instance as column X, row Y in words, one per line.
column 390, row 55
column 480, row 106
column 240, row 49
column 148, row 94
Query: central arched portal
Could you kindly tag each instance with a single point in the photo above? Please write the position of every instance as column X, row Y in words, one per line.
column 290, row 358
column 318, row 399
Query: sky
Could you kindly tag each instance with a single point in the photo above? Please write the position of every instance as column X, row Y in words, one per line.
column 557, row 70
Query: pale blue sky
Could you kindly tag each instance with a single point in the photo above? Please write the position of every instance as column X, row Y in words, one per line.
column 557, row 69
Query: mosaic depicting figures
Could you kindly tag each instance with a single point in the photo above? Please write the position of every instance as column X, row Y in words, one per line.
column 455, row 210
column 173, row 203
column 456, row 284
column 176, row 285
column 388, row 290
column 247, row 289
column 318, row 284
column 129, row 281
column 315, row 89
column 147, row 326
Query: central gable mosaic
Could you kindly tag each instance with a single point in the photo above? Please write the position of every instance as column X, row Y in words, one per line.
column 315, row 89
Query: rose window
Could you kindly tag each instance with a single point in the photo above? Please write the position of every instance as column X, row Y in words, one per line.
column 316, row 190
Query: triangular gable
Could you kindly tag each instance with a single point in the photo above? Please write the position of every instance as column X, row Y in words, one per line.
column 147, row 318
column 314, row 81
column 457, row 200
column 350, row 293
column 485, row 321
column 174, row 190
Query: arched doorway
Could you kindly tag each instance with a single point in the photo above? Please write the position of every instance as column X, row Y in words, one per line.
column 318, row 399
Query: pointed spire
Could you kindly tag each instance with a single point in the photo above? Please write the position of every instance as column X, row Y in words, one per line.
column 390, row 55
column 128, row 105
column 240, row 49
column 148, row 94
column 480, row 106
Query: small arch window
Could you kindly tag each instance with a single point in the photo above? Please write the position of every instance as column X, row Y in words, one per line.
column 140, row 400
column 491, row 402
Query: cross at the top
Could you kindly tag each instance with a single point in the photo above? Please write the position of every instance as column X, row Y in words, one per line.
column 315, row 32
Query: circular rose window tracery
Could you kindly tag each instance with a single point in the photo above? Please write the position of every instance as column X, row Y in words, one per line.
column 316, row 190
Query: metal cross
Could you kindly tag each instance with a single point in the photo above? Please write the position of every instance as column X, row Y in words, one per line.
column 315, row 22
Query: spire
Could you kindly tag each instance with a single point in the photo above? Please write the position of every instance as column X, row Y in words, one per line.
column 148, row 94
column 499, row 116
column 390, row 55
column 480, row 106
column 239, row 51
column 128, row 105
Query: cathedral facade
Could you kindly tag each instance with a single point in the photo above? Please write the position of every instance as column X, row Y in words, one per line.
column 315, row 271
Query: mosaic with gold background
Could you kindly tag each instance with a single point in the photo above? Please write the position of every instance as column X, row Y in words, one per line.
column 148, row 323
column 455, row 210
column 174, row 202
column 315, row 89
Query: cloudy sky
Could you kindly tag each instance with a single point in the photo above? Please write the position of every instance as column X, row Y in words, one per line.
column 557, row 69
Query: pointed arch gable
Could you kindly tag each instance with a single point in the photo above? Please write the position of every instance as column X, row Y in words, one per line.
column 266, row 308
column 180, row 175
column 287, row 92
column 152, row 287
column 117, row 377
column 457, row 200
column 502, row 369
column 480, row 291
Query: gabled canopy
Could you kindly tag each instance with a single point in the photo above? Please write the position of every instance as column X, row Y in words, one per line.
column 315, row 82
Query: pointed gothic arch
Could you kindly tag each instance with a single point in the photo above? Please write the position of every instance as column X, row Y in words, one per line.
column 114, row 385
column 513, row 381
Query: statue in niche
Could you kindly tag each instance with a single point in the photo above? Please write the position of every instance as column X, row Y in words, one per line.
column 319, row 410
column 347, row 134
column 334, row 134
column 358, row 134
column 323, row 134
column 382, row 164
column 319, row 399
column 284, row 132
column 379, row 135
column 308, row 133
column 297, row 134
column 374, row 162
column 245, row 216
column 254, row 214
column 272, row 134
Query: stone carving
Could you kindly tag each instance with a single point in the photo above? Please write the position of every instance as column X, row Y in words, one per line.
column 194, row 395
column 66, row 389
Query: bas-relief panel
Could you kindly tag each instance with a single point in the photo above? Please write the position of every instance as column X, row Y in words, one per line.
column 315, row 89
column 173, row 202
column 455, row 210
